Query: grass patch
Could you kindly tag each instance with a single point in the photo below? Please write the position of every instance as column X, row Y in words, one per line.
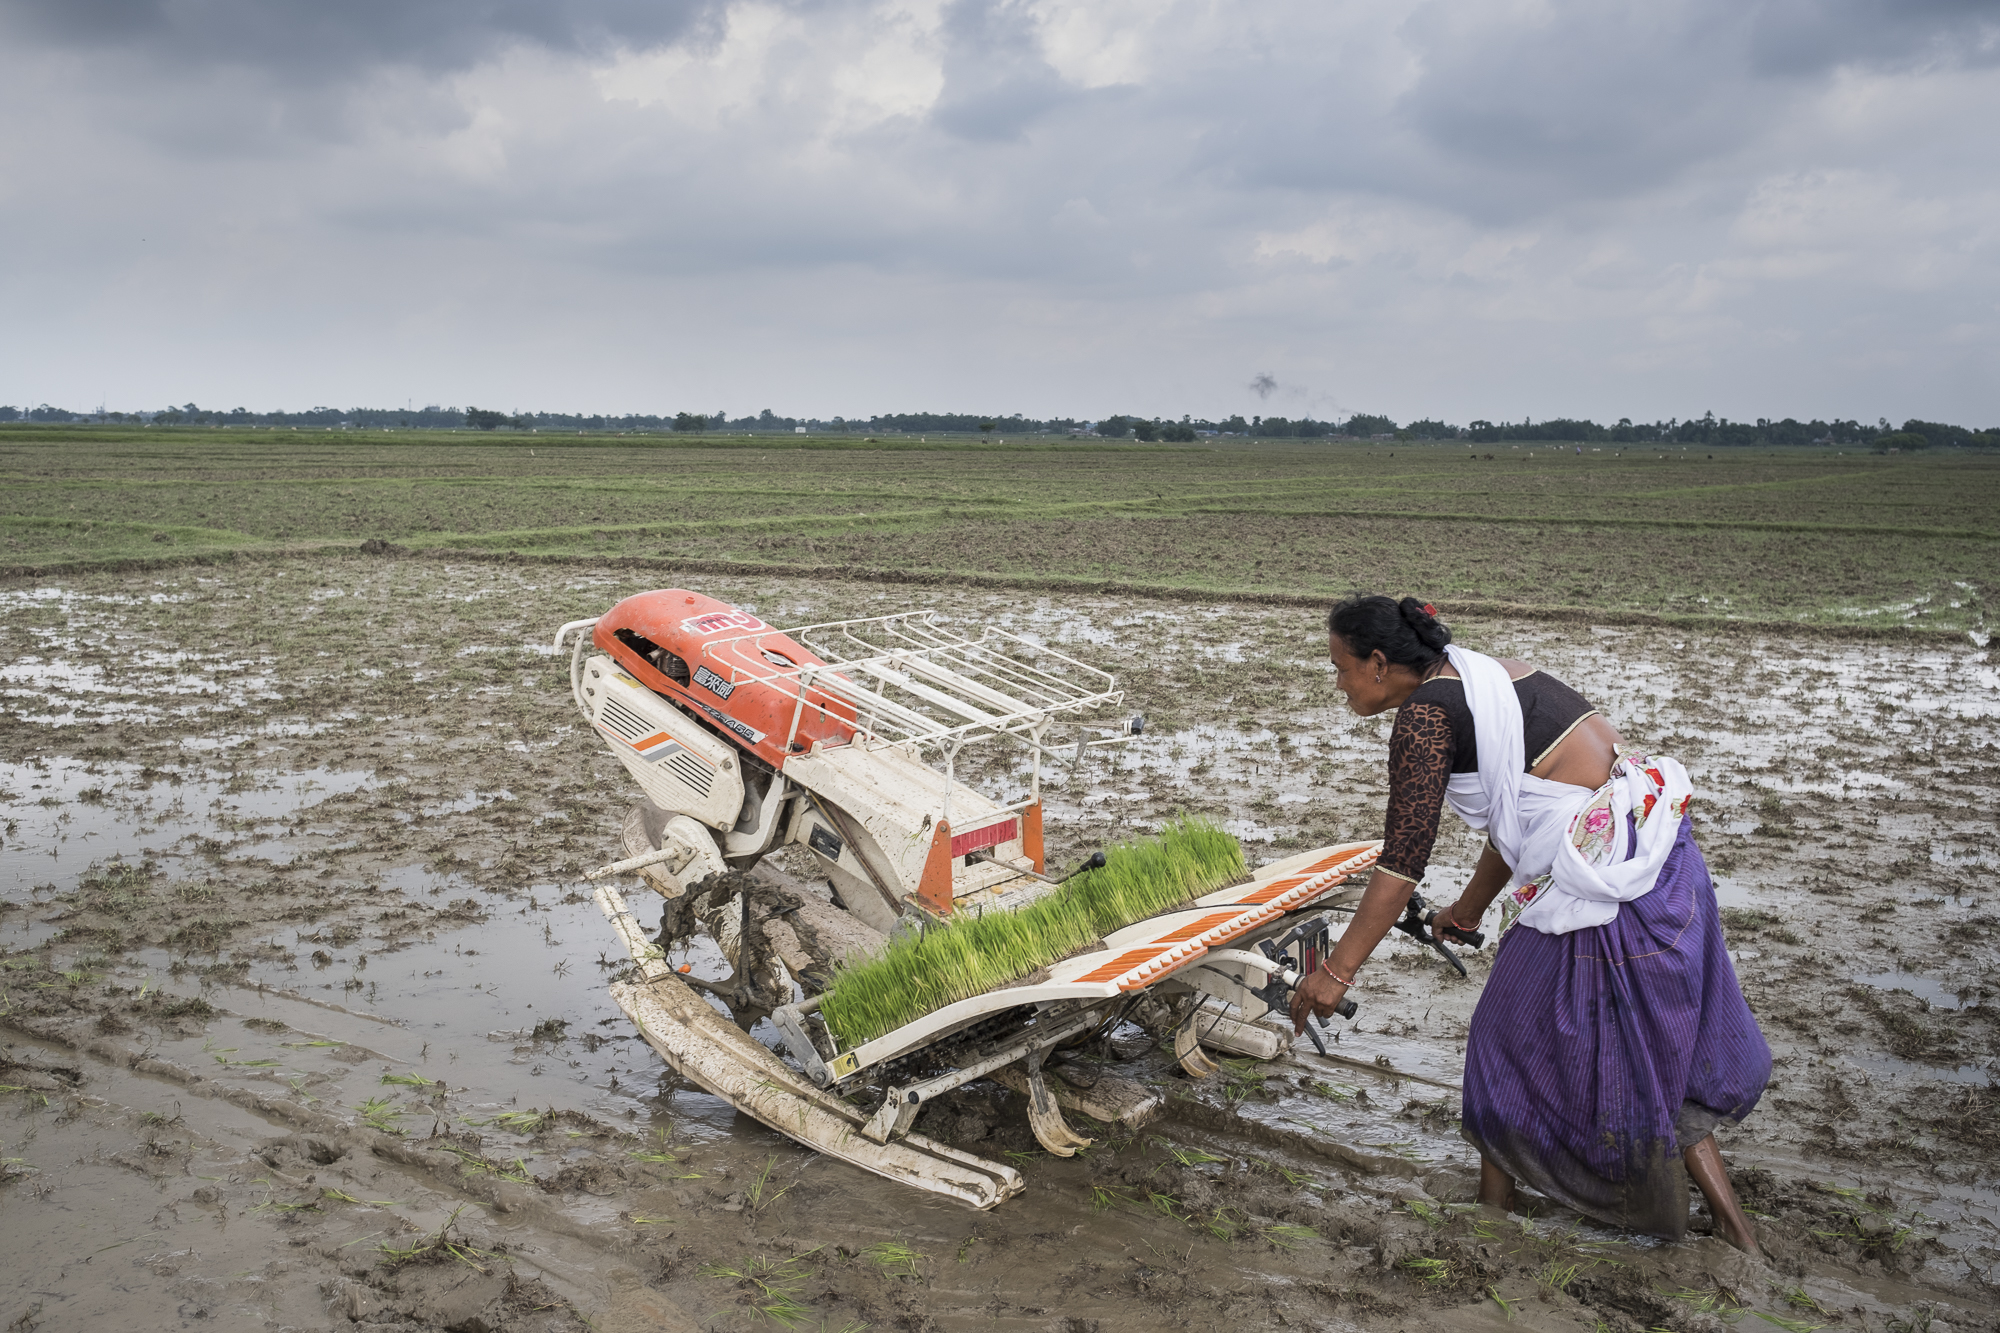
column 1780, row 534
column 917, row 974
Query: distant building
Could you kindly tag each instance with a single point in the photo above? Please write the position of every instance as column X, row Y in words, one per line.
column 798, row 430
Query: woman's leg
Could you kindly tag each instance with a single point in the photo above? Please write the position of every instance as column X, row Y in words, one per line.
column 1704, row 1163
column 1496, row 1187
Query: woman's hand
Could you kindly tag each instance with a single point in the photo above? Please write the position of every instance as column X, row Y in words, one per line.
column 1450, row 918
column 1315, row 997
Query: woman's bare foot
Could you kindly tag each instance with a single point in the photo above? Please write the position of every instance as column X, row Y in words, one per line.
column 1704, row 1163
column 1496, row 1187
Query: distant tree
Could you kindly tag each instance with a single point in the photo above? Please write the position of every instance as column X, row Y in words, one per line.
column 10, row 414
column 481, row 418
column 1145, row 430
column 1178, row 434
column 1903, row 440
column 1430, row 430
column 1115, row 428
column 690, row 422
column 1364, row 425
column 525, row 421
column 1936, row 432
column 1235, row 426
column 986, row 428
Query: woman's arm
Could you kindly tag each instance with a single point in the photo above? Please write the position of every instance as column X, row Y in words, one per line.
column 1382, row 904
column 1489, row 877
column 1421, row 751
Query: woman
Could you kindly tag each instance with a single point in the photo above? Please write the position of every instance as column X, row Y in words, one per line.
column 1612, row 1035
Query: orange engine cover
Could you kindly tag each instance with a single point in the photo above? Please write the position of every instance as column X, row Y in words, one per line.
column 693, row 650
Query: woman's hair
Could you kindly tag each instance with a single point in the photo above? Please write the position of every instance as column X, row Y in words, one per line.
column 1407, row 633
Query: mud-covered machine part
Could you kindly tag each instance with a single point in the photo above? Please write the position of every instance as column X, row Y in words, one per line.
column 843, row 739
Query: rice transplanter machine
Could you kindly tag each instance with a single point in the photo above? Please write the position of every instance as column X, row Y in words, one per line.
column 845, row 740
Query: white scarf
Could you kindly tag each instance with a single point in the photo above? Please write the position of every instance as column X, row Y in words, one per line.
column 1533, row 822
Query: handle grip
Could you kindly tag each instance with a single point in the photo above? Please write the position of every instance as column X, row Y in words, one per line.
column 1474, row 938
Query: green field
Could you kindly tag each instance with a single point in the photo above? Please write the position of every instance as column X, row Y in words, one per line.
column 1808, row 535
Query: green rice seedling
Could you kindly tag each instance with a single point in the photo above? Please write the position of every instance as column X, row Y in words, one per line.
column 1220, row 1224
column 1715, row 1301
column 1194, row 1156
column 1241, row 1079
column 1430, row 1272
column 342, row 1196
column 1284, row 1173
column 1556, row 1275
column 520, row 1122
column 1798, row 1299
column 1103, row 1197
column 916, row 974
column 437, row 1247
column 1788, row 1324
column 380, row 1113
column 1287, row 1236
column 411, row 1080
column 773, row 1287
column 658, row 1154
column 1506, row 1306
column 760, row 1195
column 1428, row 1215
column 894, row 1259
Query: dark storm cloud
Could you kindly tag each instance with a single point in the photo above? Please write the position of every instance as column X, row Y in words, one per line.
column 334, row 38
column 1512, row 111
column 1809, row 36
column 996, row 81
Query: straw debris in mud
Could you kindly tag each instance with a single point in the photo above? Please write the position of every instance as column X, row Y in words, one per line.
column 919, row 973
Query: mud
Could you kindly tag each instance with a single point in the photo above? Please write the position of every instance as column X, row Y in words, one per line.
column 304, row 1020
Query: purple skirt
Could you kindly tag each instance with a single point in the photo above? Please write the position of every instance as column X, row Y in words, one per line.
column 1596, row 1058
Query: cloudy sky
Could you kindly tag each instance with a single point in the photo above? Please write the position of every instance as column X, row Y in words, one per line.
column 1475, row 208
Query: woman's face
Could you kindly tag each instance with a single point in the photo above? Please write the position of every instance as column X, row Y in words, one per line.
column 1364, row 680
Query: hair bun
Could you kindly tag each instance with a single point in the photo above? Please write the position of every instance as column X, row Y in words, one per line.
column 1422, row 619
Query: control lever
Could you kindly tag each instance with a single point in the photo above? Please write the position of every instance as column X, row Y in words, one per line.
column 1419, row 917
column 1313, row 938
column 1096, row 862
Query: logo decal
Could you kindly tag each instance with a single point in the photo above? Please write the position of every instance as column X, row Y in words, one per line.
column 743, row 729
column 717, row 621
column 713, row 683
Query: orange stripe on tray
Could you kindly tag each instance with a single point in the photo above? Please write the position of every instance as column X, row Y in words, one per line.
column 1276, row 888
column 1194, row 928
column 1123, row 963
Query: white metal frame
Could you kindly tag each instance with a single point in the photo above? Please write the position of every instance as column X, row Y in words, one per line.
column 929, row 685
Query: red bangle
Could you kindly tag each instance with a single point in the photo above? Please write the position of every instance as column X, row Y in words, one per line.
column 1326, row 966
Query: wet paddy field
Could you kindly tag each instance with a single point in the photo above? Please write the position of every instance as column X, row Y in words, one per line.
column 304, row 1024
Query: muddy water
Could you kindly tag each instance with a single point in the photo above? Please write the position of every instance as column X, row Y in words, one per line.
column 306, row 1021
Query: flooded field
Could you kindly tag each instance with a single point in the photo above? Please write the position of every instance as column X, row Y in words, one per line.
column 305, row 1021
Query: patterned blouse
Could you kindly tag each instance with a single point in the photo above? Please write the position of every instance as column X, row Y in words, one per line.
column 1434, row 738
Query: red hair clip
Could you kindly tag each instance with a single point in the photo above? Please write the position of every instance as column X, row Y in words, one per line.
column 1430, row 610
